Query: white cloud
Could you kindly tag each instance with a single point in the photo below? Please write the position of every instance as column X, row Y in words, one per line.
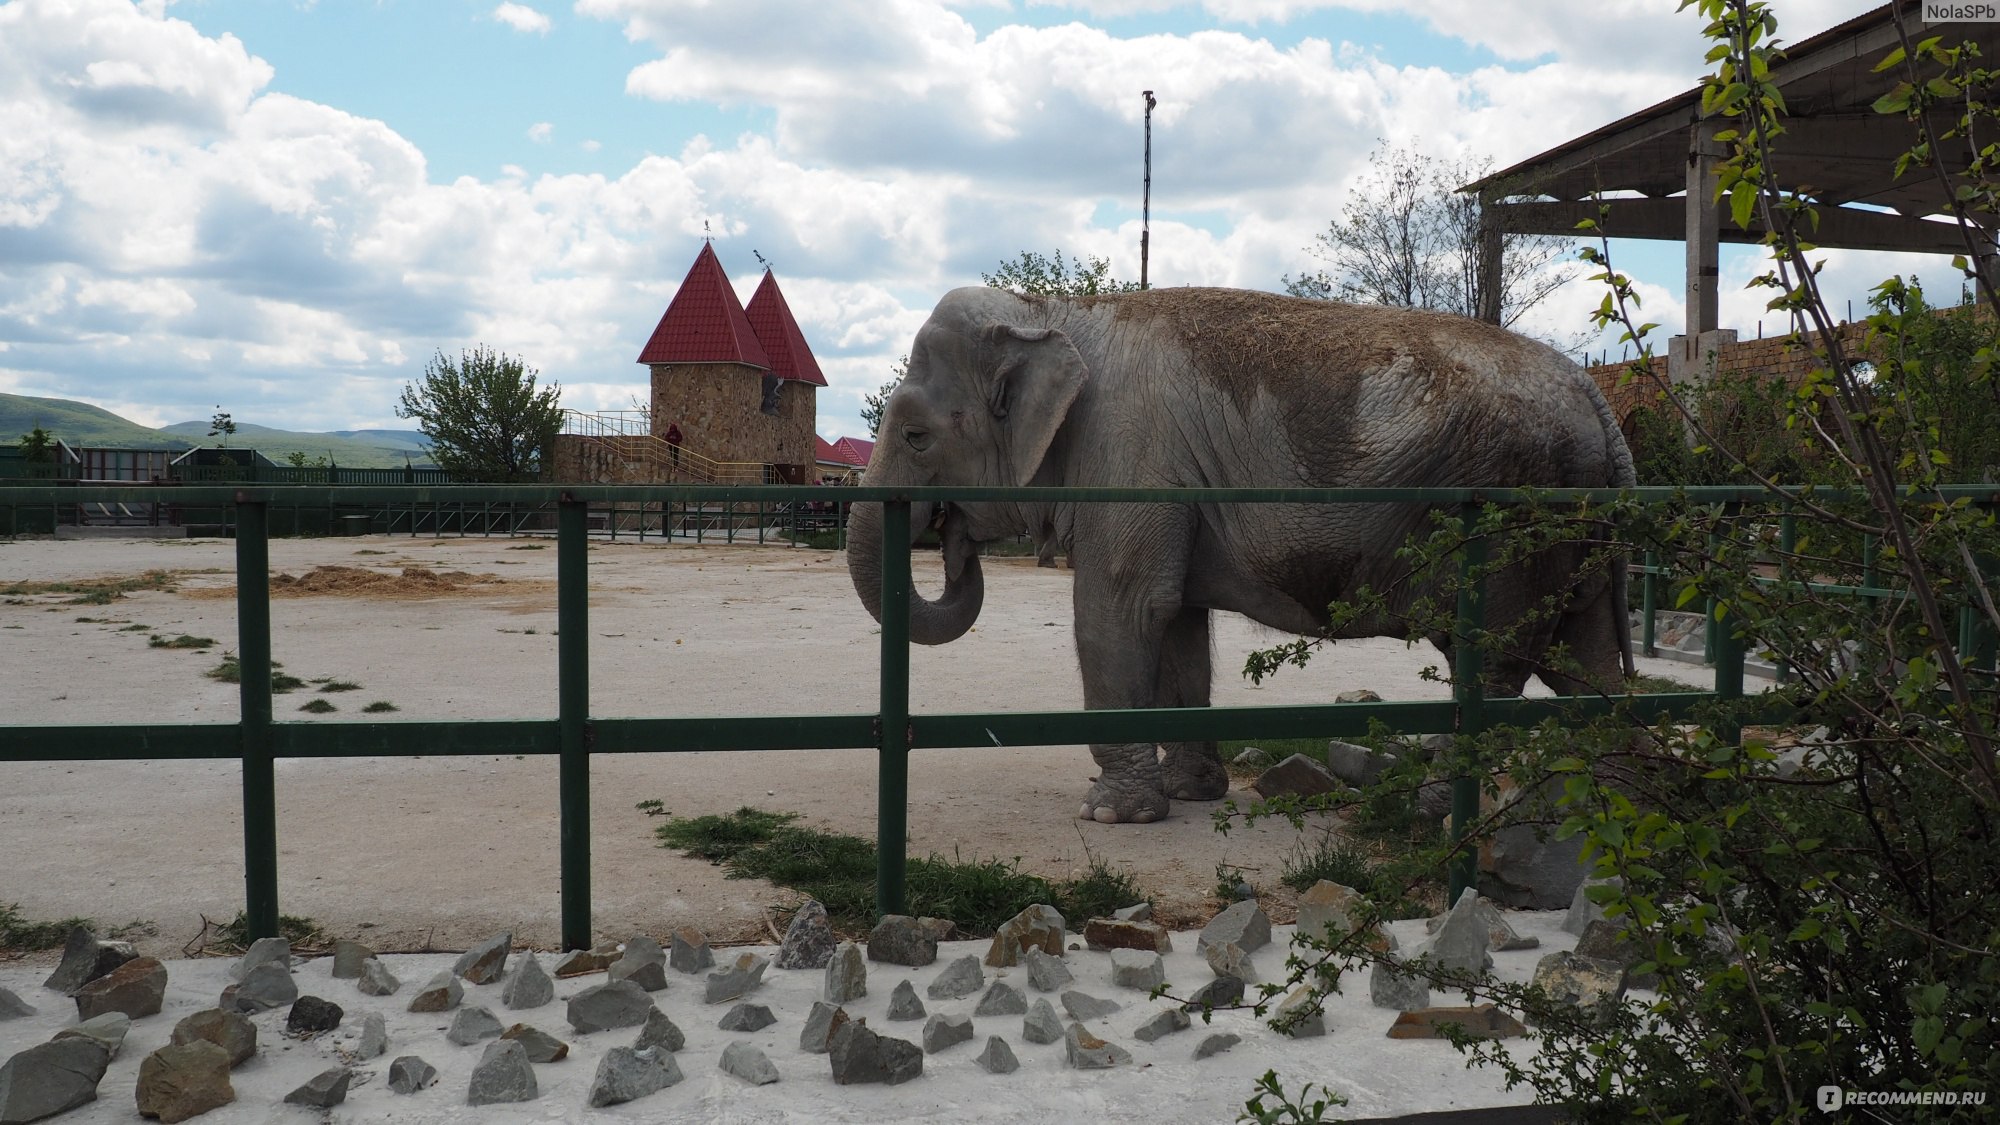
column 590, row 145
column 540, row 132
column 520, row 17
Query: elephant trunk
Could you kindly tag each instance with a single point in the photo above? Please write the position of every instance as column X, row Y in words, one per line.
column 931, row 622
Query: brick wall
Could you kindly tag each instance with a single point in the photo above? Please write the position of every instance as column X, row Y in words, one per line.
column 1774, row 357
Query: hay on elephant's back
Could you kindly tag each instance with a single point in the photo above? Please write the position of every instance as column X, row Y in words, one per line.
column 360, row 582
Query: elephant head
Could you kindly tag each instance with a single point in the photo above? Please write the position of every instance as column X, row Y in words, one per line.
column 980, row 404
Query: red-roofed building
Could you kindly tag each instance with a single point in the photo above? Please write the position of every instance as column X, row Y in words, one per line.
column 841, row 460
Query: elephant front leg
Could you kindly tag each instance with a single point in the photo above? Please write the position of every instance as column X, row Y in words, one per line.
column 1129, row 787
column 1193, row 771
column 1119, row 630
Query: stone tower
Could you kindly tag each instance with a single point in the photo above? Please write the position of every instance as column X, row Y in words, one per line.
column 738, row 383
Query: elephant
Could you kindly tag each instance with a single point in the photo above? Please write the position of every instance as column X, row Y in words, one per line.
column 1206, row 387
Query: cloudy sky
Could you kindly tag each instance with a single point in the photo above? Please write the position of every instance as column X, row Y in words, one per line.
column 282, row 208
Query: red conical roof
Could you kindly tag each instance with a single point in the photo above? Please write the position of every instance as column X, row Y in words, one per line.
column 771, row 319
column 705, row 323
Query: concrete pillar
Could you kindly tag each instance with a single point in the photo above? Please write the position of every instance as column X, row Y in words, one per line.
column 1690, row 356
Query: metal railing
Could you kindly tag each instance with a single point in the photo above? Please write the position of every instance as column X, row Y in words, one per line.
column 626, row 434
column 574, row 735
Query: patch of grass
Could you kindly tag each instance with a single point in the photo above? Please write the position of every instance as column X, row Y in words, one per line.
column 318, row 706
column 1278, row 748
column 94, row 591
column 530, row 547
column 1643, row 684
column 653, row 807
column 230, row 671
column 301, row 932
column 365, row 551
column 182, row 641
column 133, row 628
column 17, row 933
column 839, row 871
column 379, row 706
column 340, row 685
column 1401, row 893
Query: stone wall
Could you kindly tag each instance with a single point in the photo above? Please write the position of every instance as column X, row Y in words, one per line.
column 579, row 460
column 1775, row 357
column 718, row 409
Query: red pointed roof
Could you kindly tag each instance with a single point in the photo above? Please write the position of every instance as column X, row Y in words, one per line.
column 824, row 453
column 705, row 323
column 855, row 451
column 771, row 319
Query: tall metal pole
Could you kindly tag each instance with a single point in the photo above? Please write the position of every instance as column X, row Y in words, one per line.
column 1146, row 206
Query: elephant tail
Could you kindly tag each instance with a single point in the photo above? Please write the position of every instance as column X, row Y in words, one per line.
column 1624, row 474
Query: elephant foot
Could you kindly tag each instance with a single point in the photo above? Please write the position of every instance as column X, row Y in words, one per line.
column 1194, row 774
column 1123, row 804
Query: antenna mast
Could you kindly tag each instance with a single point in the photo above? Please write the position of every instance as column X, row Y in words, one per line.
column 1146, row 207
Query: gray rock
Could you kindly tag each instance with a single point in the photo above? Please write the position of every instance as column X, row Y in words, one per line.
column 899, row 939
column 627, row 1074
column 582, row 962
column 85, row 958
column 1137, row 912
column 1226, row 959
column 809, row 940
column 688, row 951
column 473, row 1024
column 51, row 1078
column 1104, row 933
column 1243, row 892
column 348, row 957
column 1136, row 968
column 1085, row 1007
column 747, row 1017
column 1001, row 999
column 1216, row 1044
column 903, row 1002
column 311, row 1015
column 1326, row 911
column 504, row 1074
column 1459, row 944
column 1299, row 1015
column 998, row 1057
column 485, row 963
column 1243, row 925
column 540, row 1045
column 1397, row 991
column 942, row 1030
column 1047, row 973
column 12, row 1007
column 263, row 951
column 820, row 1025
column 858, row 1055
column 136, row 988
column 374, row 1041
column 376, row 979
column 107, row 1031
column 959, row 979
column 1582, row 911
column 659, row 1033
column 1087, row 1052
column 1298, row 775
column 1605, row 940
column 408, row 1074
column 1164, row 1023
column 618, row 1003
column 1038, row 927
column 1500, row 933
column 324, row 1090
column 1042, row 1024
column 1358, row 695
column 1221, row 992
column 1358, row 766
column 644, row 963
column 183, row 1080
column 748, row 1063
column 528, row 986
column 1581, row 982
column 1526, row 867
column 1252, row 758
column 738, row 977
column 269, row 985
column 846, row 974
column 231, row 1031
column 441, row 993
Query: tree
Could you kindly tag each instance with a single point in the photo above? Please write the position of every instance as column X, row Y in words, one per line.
column 484, row 416
column 38, row 446
column 1408, row 237
column 873, row 405
column 222, row 426
column 1034, row 275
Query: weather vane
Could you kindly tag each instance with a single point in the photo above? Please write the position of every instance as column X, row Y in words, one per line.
column 761, row 259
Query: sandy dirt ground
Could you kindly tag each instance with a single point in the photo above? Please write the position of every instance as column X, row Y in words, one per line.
column 439, row 852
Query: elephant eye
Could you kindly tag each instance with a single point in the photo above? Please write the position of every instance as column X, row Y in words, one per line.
column 918, row 437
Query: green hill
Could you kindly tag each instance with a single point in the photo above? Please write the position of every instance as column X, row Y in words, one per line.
column 81, row 424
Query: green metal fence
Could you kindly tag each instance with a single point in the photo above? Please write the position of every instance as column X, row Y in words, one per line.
column 573, row 735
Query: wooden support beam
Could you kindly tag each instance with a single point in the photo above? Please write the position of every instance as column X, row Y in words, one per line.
column 1492, row 247
column 1666, row 219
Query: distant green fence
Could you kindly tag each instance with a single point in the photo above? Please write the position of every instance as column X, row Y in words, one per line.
column 573, row 735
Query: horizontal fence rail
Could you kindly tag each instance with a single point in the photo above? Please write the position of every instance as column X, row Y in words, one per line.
column 574, row 735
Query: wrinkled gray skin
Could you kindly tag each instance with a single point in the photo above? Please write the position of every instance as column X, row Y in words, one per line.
column 1228, row 388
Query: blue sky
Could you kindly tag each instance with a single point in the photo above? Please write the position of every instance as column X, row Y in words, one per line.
column 283, row 207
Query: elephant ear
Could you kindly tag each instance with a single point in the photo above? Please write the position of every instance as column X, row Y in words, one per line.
column 1037, row 376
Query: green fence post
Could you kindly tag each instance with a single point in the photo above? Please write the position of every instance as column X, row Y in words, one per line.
column 1788, row 541
column 1468, row 691
column 1649, row 595
column 1730, row 647
column 892, row 785
column 760, row 523
column 573, row 706
column 253, row 649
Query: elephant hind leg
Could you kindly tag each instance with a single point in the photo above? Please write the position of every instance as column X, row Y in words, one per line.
column 1193, row 771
